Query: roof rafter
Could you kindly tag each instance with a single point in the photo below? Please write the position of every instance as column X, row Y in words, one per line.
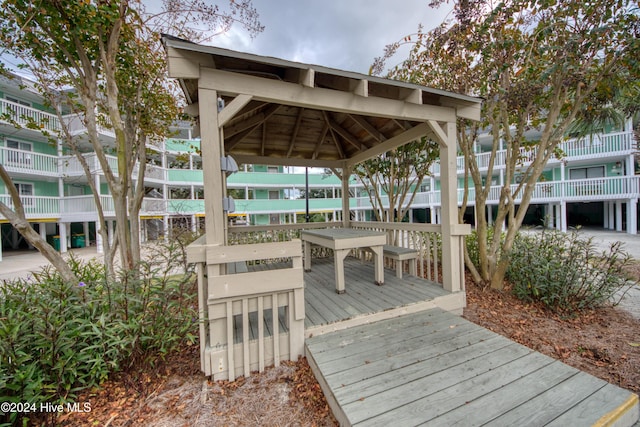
column 254, row 123
column 371, row 130
column 294, row 134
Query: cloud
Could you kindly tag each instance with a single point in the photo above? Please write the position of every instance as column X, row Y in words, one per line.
column 343, row 34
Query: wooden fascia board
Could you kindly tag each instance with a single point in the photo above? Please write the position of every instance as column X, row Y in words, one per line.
column 464, row 110
column 410, row 135
column 229, row 83
column 184, row 64
column 283, row 161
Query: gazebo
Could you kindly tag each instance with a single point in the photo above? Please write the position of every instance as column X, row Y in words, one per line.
column 263, row 110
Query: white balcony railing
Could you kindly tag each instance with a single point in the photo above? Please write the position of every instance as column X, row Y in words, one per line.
column 29, row 162
column 35, row 206
column 26, row 116
column 613, row 144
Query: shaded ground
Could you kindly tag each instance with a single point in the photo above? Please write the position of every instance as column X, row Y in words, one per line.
column 604, row 343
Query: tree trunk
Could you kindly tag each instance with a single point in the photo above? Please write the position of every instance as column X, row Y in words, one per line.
column 18, row 220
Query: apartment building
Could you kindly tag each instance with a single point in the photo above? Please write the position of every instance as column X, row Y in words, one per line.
column 597, row 183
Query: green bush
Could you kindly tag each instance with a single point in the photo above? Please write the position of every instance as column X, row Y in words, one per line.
column 471, row 242
column 565, row 271
column 57, row 339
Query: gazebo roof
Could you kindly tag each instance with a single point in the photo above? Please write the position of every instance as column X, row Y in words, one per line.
column 290, row 113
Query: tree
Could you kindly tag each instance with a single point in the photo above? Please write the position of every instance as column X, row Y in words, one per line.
column 396, row 176
column 539, row 64
column 107, row 54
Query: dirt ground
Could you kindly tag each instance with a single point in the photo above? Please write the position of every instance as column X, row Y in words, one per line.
column 604, row 343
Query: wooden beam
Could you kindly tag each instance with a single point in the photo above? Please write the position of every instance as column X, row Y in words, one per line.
column 286, row 93
column 229, row 111
column 412, row 95
column 252, row 121
column 211, row 147
column 439, row 133
column 361, row 88
column 294, row 134
column 410, row 135
column 192, row 110
column 465, row 110
column 320, row 141
column 337, row 144
column 327, row 120
column 237, row 139
column 182, row 64
column 307, row 77
column 291, row 161
column 263, row 141
column 364, row 124
column 346, row 135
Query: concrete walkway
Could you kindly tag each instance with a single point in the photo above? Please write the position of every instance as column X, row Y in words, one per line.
column 603, row 239
column 20, row 264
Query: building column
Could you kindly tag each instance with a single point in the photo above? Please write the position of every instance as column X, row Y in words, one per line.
column 612, row 216
column 632, row 216
column 563, row 216
column 63, row 236
column 85, row 230
column 194, row 224
column 43, row 231
column 489, row 215
column 618, row 216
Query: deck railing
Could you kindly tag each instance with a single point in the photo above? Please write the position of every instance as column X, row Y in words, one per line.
column 35, row 206
column 27, row 116
column 426, row 239
column 248, row 320
column 30, row 162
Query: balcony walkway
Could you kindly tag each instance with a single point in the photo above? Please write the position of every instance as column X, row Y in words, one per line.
column 438, row 369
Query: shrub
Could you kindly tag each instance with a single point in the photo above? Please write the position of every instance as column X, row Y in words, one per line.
column 471, row 242
column 58, row 338
column 566, row 272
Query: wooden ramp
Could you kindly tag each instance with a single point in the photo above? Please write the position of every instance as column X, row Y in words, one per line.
column 436, row 368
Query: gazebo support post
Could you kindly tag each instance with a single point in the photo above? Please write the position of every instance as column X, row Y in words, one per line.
column 452, row 232
column 346, row 217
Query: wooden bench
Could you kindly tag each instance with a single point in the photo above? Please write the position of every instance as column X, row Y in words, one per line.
column 399, row 255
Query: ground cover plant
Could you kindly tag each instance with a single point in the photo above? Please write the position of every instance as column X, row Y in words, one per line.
column 566, row 272
column 58, row 339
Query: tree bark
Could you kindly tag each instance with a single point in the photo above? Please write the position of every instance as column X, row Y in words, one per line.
column 18, row 219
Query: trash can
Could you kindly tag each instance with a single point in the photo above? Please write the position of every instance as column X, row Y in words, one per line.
column 56, row 243
column 77, row 241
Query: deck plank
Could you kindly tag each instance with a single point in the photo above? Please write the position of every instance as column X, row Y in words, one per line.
column 436, row 368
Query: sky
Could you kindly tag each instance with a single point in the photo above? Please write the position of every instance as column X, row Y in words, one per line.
column 342, row 34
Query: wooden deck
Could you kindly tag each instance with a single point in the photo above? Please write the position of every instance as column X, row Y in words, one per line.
column 363, row 301
column 436, row 368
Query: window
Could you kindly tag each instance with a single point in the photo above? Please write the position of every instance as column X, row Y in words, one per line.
column 272, row 169
column 19, row 157
column 585, row 173
column 17, row 101
column 274, row 195
column 26, row 193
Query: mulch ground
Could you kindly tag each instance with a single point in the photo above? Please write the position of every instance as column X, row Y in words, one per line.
column 604, row 343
